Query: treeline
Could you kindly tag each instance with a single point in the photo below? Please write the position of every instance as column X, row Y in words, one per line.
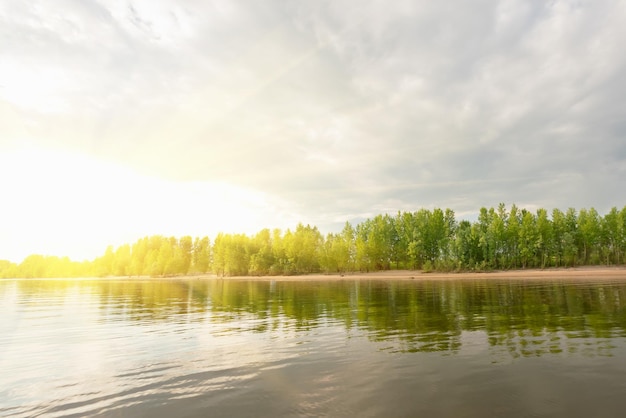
column 499, row 239
column 149, row 256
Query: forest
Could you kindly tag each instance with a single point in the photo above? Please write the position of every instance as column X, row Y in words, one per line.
column 429, row 240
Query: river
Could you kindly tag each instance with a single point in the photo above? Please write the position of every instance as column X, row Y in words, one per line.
column 264, row 348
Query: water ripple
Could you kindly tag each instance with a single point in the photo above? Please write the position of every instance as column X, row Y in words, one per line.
column 166, row 349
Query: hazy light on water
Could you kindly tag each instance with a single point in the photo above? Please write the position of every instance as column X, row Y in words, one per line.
column 245, row 348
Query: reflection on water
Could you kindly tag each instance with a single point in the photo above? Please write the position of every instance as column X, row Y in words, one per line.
column 337, row 347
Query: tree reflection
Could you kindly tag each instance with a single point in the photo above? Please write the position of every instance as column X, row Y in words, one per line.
column 522, row 318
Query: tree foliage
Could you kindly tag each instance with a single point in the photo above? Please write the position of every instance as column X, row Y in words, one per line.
column 425, row 239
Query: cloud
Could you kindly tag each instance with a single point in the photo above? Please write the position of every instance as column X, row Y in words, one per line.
column 339, row 110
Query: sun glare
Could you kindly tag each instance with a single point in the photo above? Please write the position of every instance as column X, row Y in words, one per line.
column 76, row 205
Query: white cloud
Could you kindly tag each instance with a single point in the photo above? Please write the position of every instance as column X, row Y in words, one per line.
column 326, row 109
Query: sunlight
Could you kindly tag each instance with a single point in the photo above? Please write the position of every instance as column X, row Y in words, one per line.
column 75, row 205
column 33, row 89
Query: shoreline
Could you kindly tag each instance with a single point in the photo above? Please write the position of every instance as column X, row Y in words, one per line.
column 587, row 272
column 553, row 273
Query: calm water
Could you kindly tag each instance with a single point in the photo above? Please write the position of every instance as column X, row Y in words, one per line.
column 467, row 348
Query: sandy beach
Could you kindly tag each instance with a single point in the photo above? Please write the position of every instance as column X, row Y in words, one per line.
column 588, row 273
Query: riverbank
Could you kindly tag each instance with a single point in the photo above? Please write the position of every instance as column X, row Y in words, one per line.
column 589, row 272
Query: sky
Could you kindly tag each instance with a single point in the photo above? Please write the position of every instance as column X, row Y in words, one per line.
column 121, row 119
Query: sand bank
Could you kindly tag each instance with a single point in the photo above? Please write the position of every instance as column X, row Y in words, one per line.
column 605, row 273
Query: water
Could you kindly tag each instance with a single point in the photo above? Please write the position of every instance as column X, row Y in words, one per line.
column 452, row 348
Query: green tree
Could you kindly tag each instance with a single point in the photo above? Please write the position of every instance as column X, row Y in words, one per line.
column 513, row 227
column 406, row 240
column 33, row 266
column 165, row 259
column 303, row 248
column 7, row 269
column 362, row 256
column 262, row 259
column 571, row 238
column 138, row 255
column 463, row 251
column 528, row 239
column 201, row 255
column 104, row 266
column 559, row 228
column 185, row 245
column 219, row 254
column 121, row 261
column 544, row 245
column 589, row 227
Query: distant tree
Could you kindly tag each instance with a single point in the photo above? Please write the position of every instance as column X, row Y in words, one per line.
column 559, row 229
column 139, row 252
column 405, row 230
column 7, row 269
column 589, row 227
column 104, row 266
column 165, row 265
column 201, row 258
column 262, row 258
column 121, row 265
column 329, row 256
column 544, row 244
column 496, row 234
column 348, row 248
column 185, row 252
column 513, row 227
column 33, row 266
column 528, row 239
column 279, row 254
column 571, row 238
column 303, row 248
column 362, row 254
column 426, row 239
column 463, row 250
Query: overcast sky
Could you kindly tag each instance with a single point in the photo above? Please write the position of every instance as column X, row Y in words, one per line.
column 120, row 119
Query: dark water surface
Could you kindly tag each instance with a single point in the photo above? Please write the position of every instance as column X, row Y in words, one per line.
column 260, row 348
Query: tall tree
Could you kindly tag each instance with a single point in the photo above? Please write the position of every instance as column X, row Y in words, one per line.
column 559, row 229
column 571, row 238
column 121, row 261
column 185, row 245
column 589, row 227
column 544, row 243
column 512, row 237
column 201, row 258
column 528, row 239
column 262, row 258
